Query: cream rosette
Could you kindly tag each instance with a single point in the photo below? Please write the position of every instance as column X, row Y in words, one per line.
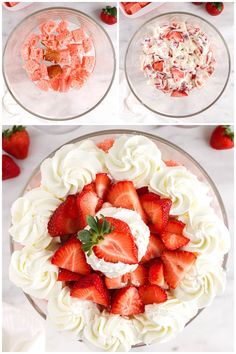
column 71, row 168
column 133, row 158
column 31, row 270
column 30, row 216
column 162, row 322
column 70, row 314
column 111, row 333
column 182, row 187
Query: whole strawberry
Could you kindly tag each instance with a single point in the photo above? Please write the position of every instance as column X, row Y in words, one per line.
column 16, row 141
column 222, row 138
column 214, row 8
column 109, row 15
column 9, row 168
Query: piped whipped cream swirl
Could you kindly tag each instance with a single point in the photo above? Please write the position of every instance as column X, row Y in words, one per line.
column 71, row 168
column 133, row 158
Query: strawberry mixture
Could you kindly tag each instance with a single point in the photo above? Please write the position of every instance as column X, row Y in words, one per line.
column 177, row 58
column 57, row 58
column 133, row 7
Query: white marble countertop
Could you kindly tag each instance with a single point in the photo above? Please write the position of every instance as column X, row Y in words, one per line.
column 105, row 112
column 131, row 109
column 212, row 330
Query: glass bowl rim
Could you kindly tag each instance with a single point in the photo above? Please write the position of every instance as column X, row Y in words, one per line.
column 150, row 136
column 113, row 58
column 228, row 57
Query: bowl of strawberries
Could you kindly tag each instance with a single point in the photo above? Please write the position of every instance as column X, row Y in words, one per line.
column 58, row 63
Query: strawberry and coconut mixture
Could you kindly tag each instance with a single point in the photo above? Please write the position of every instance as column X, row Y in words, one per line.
column 177, row 58
column 58, row 58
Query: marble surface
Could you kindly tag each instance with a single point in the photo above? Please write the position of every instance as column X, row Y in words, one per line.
column 105, row 112
column 131, row 109
column 212, row 330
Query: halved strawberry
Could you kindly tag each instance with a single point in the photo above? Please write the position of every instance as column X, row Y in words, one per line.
column 102, row 183
column 117, row 247
column 155, row 248
column 177, row 93
column 139, row 276
column 123, row 195
column 156, row 273
column 158, row 65
column 177, row 36
column 65, row 219
column 173, row 237
column 176, row 265
column 67, row 275
column 70, row 256
column 118, row 225
column 152, row 294
column 157, row 210
column 142, row 190
column 105, row 145
column 127, row 302
column 92, row 288
column 149, row 196
column 117, row 282
column 88, row 204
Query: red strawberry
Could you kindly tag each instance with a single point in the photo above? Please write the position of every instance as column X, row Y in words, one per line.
column 9, row 168
column 158, row 65
column 102, row 183
column 117, row 282
column 16, row 141
column 171, row 163
column 105, row 145
column 155, row 248
column 222, row 138
column 149, row 197
column 123, row 195
column 139, row 276
column 92, row 288
column 70, row 256
column 176, row 265
column 197, row 3
column 177, row 36
column 177, row 74
column 152, row 294
column 214, row 8
column 142, row 190
column 88, row 204
column 173, row 237
column 157, row 210
column 117, row 247
column 89, row 187
column 177, row 93
column 65, row 219
column 67, row 275
column 127, row 302
column 156, row 273
column 118, row 225
column 109, row 15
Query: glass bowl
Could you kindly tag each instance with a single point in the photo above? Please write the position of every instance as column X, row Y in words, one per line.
column 55, row 105
column 169, row 152
column 199, row 99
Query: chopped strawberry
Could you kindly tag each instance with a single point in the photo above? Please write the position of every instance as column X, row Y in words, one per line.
column 142, row 190
column 152, row 294
column 79, row 35
column 105, row 145
column 87, row 44
column 117, row 282
column 156, row 273
column 155, row 248
column 177, row 74
column 55, row 83
column 176, row 265
column 52, row 55
column 88, row 203
column 65, row 219
column 67, row 275
column 102, row 182
column 173, row 237
column 157, row 210
column 43, row 85
column 139, row 276
column 171, row 163
column 127, row 302
column 177, row 36
column 123, row 195
column 92, row 288
column 117, row 247
column 70, row 256
column 88, row 62
column 177, row 93
column 158, row 65
column 54, row 71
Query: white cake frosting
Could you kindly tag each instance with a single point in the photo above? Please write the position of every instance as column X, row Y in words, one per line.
column 30, row 216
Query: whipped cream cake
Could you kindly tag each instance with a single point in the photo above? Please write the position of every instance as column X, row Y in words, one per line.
column 124, row 246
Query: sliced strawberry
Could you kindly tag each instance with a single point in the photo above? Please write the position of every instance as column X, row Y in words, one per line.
column 67, row 275
column 123, row 195
column 152, row 294
column 117, row 247
column 142, row 190
column 70, row 256
column 177, row 36
column 177, row 93
column 65, row 219
column 176, row 265
column 152, row 229
column 90, row 187
column 92, row 288
column 157, row 210
column 127, row 302
column 171, row 163
column 149, row 197
column 65, row 238
column 105, row 145
column 155, row 248
column 118, row 225
column 158, row 65
column 173, row 237
column 156, row 273
column 139, row 276
column 88, row 204
column 117, row 282
column 102, row 183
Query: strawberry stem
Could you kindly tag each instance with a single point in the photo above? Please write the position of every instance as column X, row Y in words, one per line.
column 9, row 132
